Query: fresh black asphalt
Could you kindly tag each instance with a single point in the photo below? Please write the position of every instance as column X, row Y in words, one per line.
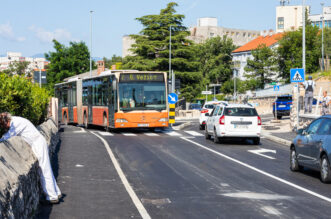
column 175, row 178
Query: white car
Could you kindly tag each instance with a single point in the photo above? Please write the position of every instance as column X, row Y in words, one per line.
column 234, row 121
column 207, row 108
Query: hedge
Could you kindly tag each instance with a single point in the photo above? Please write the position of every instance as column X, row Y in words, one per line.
column 22, row 98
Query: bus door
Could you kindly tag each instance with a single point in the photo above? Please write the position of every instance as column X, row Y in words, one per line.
column 90, row 104
column 71, row 100
column 112, row 101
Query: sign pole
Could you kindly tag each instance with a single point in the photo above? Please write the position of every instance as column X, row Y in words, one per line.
column 298, row 109
column 206, row 94
column 276, row 107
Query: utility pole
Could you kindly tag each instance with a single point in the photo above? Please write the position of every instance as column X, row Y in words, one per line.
column 91, row 43
column 322, row 18
column 170, row 55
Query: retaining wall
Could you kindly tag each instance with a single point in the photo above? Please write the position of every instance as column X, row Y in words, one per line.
column 19, row 179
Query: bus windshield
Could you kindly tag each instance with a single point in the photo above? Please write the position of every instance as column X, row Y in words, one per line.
column 142, row 96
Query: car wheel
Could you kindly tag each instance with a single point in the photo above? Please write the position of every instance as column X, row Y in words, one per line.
column 294, row 164
column 256, row 141
column 216, row 139
column 201, row 127
column 325, row 170
column 279, row 117
column 207, row 136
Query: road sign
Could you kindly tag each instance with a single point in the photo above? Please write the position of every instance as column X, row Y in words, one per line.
column 206, row 92
column 297, row 75
column 276, row 88
column 172, row 113
column 172, row 98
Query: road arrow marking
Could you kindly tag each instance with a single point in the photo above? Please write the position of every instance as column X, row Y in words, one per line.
column 263, row 150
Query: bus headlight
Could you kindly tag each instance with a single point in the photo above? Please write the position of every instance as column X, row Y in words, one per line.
column 163, row 120
column 121, row 120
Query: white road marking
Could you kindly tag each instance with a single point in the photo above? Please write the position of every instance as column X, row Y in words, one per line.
column 261, row 171
column 129, row 134
column 271, row 210
column 224, row 184
column 263, row 150
column 257, row 196
column 172, row 133
column 194, row 133
column 81, row 131
column 79, row 165
column 105, row 133
column 151, row 134
column 143, row 213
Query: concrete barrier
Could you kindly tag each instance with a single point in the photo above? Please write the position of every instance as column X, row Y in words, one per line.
column 20, row 188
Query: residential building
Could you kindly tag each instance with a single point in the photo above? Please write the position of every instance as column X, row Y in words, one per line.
column 243, row 53
column 34, row 63
column 206, row 28
column 316, row 19
column 289, row 17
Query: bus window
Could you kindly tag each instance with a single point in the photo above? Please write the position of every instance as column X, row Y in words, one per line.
column 64, row 97
column 74, row 95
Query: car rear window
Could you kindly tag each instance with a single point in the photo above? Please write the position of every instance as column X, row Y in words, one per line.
column 209, row 106
column 284, row 99
column 239, row 111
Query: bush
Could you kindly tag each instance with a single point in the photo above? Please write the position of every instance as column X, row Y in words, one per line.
column 22, row 98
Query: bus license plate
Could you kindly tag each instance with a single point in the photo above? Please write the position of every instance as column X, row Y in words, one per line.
column 241, row 126
column 143, row 125
column 281, row 106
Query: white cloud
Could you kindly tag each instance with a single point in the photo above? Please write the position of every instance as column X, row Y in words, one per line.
column 47, row 36
column 6, row 32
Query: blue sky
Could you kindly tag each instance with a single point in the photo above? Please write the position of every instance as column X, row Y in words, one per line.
column 29, row 26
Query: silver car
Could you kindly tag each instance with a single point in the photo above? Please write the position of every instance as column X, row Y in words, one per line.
column 312, row 148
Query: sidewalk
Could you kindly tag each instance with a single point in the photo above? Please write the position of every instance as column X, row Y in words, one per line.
column 279, row 132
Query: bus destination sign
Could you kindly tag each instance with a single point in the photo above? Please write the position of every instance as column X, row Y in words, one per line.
column 134, row 77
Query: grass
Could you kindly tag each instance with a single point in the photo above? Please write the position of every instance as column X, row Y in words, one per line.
column 320, row 74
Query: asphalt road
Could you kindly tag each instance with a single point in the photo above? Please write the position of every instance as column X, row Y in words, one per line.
column 180, row 174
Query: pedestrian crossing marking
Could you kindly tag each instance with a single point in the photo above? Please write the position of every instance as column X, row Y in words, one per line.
column 173, row 134
column 106, row 134
column 194, row 133
column 297, row 77
column 151, row 134
column 129, row 134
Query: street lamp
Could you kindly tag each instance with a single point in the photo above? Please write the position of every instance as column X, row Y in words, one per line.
column 304, row 35
column 322, row 18
column 91, row 43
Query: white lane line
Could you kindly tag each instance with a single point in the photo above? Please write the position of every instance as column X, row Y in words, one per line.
column 261, row 171
column 151, row 134
column 172, row 133
column 143, row 213
column 105, row 133
column 263, row 150
column 194, row 133
column 129, row 134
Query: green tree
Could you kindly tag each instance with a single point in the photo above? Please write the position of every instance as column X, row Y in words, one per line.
column 19, row 68
column 67, row 61
column 290, row 51
column 215, row 59
column 263, row 66
column 112, row 61
column 151, row 46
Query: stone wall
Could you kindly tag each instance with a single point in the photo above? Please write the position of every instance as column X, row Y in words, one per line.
column 19, row 179
column 263, row 105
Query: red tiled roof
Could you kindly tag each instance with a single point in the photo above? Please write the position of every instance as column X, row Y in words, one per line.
column 254, row 44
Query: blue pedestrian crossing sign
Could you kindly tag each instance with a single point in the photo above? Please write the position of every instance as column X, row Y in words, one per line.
column 172, row 98
column 276, row 88
column 297, row 75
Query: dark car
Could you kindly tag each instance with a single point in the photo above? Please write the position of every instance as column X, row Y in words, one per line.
column 195, row 106
column 312, row 148
column 283, row 104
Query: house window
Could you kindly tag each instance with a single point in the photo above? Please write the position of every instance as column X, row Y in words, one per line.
column 211, row 34
column 280, row 22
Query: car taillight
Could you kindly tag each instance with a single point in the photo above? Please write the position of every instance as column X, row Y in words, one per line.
column 259, row 121
column 222, row 120
column 204, row 111
column 273, row 104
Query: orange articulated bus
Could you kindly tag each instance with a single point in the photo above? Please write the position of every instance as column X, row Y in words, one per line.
column 119, row 99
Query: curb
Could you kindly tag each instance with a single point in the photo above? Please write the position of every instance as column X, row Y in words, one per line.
column 179, row 127
column 276, row 139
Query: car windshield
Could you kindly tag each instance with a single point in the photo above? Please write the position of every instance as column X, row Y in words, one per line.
column 284, row 98
column 142, row 96
column 209, row 106
column 195, row 106
column 239, row 111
